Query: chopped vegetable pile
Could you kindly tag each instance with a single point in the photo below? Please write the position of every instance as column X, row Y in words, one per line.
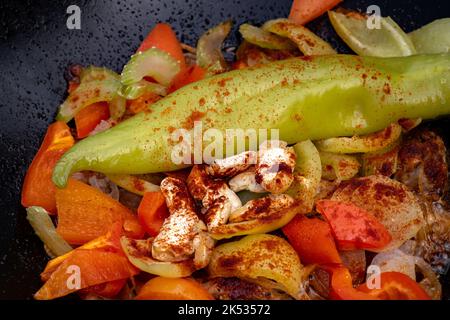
column 348, row 202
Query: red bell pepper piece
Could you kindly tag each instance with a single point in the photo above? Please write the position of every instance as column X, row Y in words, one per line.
column 396, row 286
column 164, row 38
column 152, row 212
column 312, row 239
column 304, row 11
column 190, row 75
column 38, row 188
column 353, row 227
column 88, row 118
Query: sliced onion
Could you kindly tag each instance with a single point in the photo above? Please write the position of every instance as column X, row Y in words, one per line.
column 430, row 283
column 360, row 144
column 395, row 260
column 307, row 42
column 139, row 254
column 133, row 184
column 105, row 185
column 307, row 175
column 399, row 261
column 338, row 166
column 264, row 39
column 209, row 53
column 102, row 126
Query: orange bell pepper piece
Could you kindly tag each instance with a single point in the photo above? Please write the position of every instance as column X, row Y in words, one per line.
column 108, row 242
column 152, row 212
column 88, row 118
column 90, row 267
column 396, row 286
column 312, row 239
column 85, row 213
column 38, row 188
column 190, row 75
column 108, row 289
column 352, row 226
column 161, row 288
column 304, row 11
column 341, row 287
column 164, row 38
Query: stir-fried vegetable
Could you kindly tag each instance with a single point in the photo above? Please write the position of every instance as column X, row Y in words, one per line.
column 433, row 37
column 341, row 287
column 88, row 118
column 389, row 201
column 117, row 106
column 396, row 286
column 44, row 228
column 307, row 41
column 303, row 11
column 133, row 184
column 338, row 166
column 387, row 40
column 85, row 213
column 137, row 89
column 152, row 212
column 381, row 162
column 263, row 224
column 93, row 73
column 353, row 227
column 86, row 94
column 154, row 63
column 332, row 85
column 160, row 288
column 139, row 253
column 163, row 38
column 209, row 48
column 370, row 143
column 264, row 39
column 307, row 175
column 38, row 188
column 109, row 241
column 260, row 256
column 94, row 267
column 312, row 239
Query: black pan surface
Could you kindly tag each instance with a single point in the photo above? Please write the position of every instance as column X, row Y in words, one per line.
column 36, row 47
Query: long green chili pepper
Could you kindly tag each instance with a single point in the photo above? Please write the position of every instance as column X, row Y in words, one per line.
column 305, row 98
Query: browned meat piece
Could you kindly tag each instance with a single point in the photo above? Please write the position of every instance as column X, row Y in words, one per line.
column 422, row 164
column 217, row 198
column 262, row 207
column 182, row 235
column 433, row 241
column 275, row 166
column 238, row 289
column 231, row 166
